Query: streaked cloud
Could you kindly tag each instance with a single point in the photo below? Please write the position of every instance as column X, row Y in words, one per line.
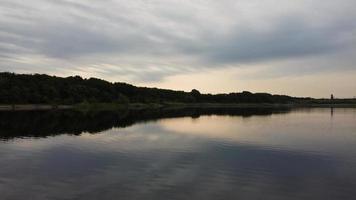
column 149, row 41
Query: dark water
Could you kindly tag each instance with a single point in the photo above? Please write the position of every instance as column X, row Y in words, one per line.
column 179, row 154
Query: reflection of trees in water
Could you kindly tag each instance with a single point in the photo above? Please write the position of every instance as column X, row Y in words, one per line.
column 331, row 111
column 15, row 124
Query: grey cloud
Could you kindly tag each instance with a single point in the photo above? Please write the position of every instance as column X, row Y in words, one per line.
column 290, row 38
column 87, row 33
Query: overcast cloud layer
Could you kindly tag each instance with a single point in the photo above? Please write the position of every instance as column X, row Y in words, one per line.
column 148, row 41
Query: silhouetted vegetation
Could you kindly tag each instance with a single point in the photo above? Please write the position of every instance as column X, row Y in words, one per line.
column 44, row 89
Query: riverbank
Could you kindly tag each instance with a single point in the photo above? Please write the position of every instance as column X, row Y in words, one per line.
column 33, row 107
column 134, row 106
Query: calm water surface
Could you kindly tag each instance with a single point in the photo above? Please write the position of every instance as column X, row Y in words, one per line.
column 242, row 154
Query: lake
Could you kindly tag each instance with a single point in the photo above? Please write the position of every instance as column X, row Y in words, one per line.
column 179, row 154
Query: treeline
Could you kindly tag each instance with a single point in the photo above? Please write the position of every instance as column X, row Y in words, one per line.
column 45, row 89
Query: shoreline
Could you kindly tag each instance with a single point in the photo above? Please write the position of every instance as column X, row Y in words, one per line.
column 23, row 107
column 111, row 106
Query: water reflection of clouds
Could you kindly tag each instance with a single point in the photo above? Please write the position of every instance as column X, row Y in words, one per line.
column 299, row 130
column 305, row 129
column 204, row 158
column 224, row 170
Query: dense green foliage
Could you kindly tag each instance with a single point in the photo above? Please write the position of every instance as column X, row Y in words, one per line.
column 44, row 89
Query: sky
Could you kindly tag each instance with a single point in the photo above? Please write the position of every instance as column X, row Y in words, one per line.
column 298, row 48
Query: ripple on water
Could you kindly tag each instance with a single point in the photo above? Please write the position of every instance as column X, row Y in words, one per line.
column 183, row 159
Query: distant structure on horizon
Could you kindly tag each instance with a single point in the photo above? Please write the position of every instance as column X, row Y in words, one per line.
column 332, row 97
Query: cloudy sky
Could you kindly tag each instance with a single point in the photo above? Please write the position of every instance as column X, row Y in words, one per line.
column 302, row 48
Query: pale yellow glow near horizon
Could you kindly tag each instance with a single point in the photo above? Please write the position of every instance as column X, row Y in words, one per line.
column 274, row 130
column 319, row 85
column 253, row 78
